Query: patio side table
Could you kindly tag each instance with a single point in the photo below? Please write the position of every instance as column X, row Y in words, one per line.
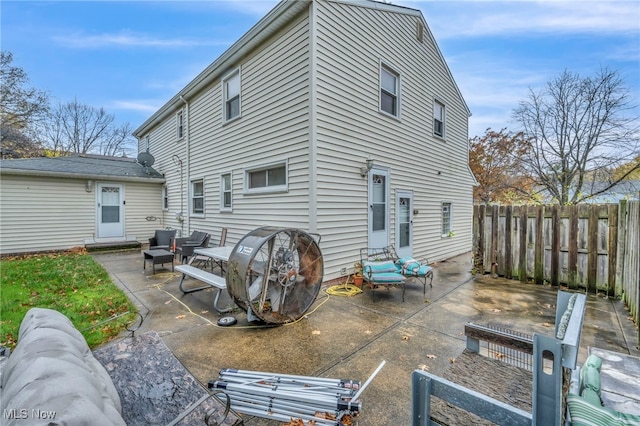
column 156, row 257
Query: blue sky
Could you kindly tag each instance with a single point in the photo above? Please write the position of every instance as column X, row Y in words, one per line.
column 131, row 57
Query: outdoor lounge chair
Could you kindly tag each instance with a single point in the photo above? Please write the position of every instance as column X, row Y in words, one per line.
column 382, row 266
column 186, row 246
column 162, row 239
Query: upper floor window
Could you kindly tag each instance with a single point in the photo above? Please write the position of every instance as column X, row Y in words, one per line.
column 180, row 125
column 165, row 198
column 438, row 119
column 231, row 89
column 267, row 179
column 389, row 91
column 446, row 219
column 197, row 196
column 225, row 192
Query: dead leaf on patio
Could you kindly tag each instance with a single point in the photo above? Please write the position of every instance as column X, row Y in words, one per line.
column 431, row 356
column 181, row 316
column 204, row 312
column 546, row 324
column 427, row 301
column 423, row 367
column 452, row 360
column 368, row 332
column 315, row 332
column 405, row 337
column 167, row 302
column 495, row 310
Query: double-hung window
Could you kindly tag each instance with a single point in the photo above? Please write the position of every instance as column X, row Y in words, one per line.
column 197, row 197
column 225, row 192
column 231, row 89
column 446, row 219
column 180, row 125
column 438, row 118
column 165, row 198
column 389, row 91
column 270, row 178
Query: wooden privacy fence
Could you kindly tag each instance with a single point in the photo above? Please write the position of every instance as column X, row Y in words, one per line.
column 591, row 246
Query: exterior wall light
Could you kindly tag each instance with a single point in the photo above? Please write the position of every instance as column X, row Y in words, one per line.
column 365, row 170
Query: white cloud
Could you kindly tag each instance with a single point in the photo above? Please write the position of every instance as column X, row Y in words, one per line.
column 143, row 106
column 127, row 39
column 486, row 18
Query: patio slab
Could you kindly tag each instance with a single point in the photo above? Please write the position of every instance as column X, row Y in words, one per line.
column 348, row 337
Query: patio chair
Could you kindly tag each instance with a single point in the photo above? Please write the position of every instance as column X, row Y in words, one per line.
column 186, row 246
column 410, row 267
column 162, row 239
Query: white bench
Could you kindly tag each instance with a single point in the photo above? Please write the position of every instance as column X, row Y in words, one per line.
column 212, row 280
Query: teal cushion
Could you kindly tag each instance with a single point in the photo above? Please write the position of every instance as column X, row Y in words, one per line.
column 594, row 361
column 377, row 267
column 589, row 379
column 584, row 413
column 406, row 259
column 385, row 277
column 591, row 397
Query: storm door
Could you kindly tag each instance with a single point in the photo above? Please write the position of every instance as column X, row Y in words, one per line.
column 110, row 210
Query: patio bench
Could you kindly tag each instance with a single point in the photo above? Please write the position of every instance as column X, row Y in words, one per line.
column 210, row 279
column 553, row 359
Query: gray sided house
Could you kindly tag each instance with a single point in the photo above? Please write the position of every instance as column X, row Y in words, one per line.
column 333, row 116
column 61, row 203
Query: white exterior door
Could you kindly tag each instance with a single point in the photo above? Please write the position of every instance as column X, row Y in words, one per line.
column 378, row 208
column 110, row 210
column 404, row 223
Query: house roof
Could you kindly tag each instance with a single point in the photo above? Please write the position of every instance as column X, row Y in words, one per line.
column 81, row 166
column 276, row 19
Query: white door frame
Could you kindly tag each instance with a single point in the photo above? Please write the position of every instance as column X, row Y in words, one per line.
column 108, row 227
column 404, row 222
column 379, row 207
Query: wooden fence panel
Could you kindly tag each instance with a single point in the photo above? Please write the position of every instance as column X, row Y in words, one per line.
column 596, row 247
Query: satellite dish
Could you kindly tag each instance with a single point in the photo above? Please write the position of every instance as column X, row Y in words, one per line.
column 146, row 159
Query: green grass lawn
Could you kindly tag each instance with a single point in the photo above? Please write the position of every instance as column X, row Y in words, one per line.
column 71, row 283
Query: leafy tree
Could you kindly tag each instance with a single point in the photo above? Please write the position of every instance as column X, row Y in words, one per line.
column 495, row 160
column 20, row 108
column 579, row 128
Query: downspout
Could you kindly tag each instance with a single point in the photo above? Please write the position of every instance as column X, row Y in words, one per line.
column 313, row 130
column 188, row 171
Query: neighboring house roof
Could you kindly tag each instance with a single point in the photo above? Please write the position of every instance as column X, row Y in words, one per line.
column 276, row 19
column 81, row 166
column 623, row 190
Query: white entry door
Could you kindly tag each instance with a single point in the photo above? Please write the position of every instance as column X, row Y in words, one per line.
column 110, row 210
column 404, row 223
column 378, row 208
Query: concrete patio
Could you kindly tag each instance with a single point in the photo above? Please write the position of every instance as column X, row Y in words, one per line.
column 348, row 337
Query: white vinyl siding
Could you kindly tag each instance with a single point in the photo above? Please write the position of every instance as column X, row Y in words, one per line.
column 349, row 34
column 49, row 213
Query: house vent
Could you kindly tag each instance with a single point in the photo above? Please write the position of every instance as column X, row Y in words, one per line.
column 420, row 32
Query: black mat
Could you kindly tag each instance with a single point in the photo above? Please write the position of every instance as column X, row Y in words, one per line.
column 154, row 387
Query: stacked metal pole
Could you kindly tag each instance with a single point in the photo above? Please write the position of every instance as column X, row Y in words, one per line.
column 284, row 397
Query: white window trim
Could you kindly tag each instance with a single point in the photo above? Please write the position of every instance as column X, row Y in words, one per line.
column 223, row 208
column 165, row 197
column 391, row 70
column 191, row 197
column 267, row 189
column 224, row 96
column 180, row 116
column 450, row 218
column 444, row 119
